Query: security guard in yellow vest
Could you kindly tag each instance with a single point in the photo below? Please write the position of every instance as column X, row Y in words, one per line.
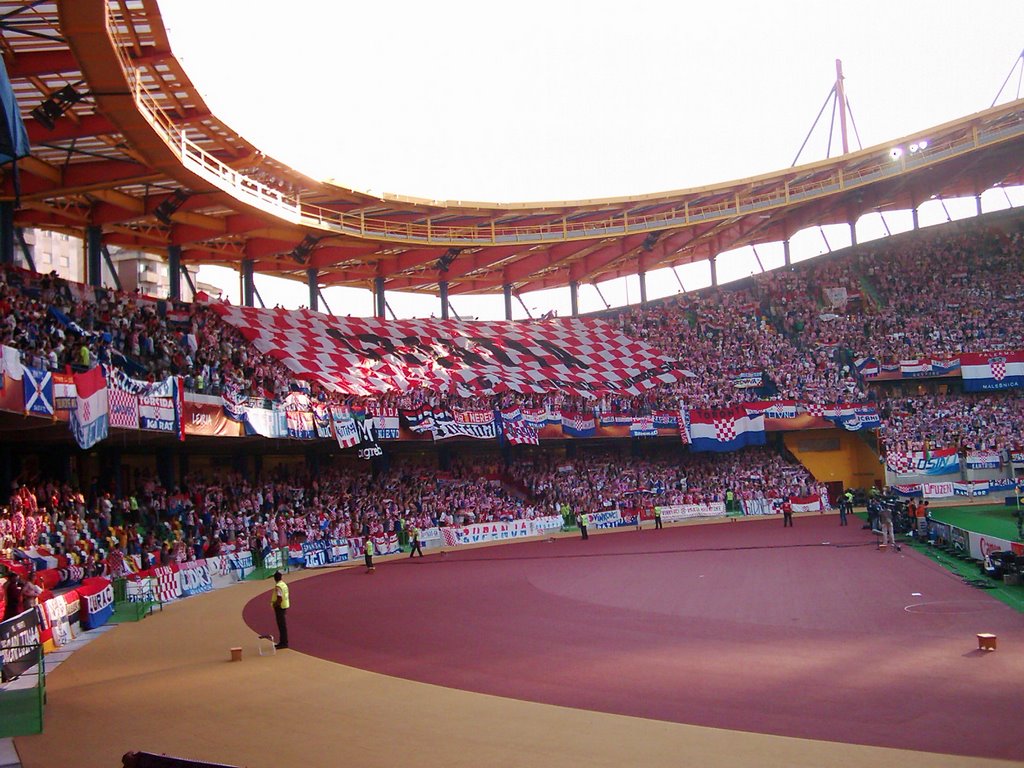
column 279, row 599
column 584, row 520
column 414, row 540
column 368, row 554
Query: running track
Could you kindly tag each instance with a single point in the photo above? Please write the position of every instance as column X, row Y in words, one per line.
column 808, row 632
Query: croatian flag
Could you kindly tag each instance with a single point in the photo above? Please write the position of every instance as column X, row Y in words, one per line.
column 867, row 366
column 89, row 420
column 578, row 424
column 724, row 429
column 916, row 367
column 987, row 371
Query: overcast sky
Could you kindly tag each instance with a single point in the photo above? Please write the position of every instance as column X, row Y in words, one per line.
column 569, row 100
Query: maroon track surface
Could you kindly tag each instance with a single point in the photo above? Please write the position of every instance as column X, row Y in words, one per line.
column 747, row 626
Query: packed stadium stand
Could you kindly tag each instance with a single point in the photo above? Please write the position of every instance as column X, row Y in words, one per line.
column 153, row 448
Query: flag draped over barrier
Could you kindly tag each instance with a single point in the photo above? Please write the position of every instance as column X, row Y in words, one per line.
column 988, row 371
column 722, row 429
column 89, row 421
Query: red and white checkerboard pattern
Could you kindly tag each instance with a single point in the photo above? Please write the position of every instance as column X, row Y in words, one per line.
column 900, row 463
column 725, row 428
column 998, row 366
column 167, row 586
column 122, row 409
column 367, row 356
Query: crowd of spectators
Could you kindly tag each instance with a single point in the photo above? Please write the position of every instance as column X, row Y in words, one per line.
column 604, row 479
column 967, row 422
column 207, row 515
column 789, row 334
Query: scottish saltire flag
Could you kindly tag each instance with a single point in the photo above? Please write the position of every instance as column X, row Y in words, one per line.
column 89, row 420
column 368, row 356
column 987, row 371
column 37, row 387
column 724, row 429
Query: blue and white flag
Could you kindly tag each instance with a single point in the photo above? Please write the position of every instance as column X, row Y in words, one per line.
column 38, row 390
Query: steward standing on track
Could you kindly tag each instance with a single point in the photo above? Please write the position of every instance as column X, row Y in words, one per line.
column 584, row 519
column 657, row 518
column 279, row 600
column 368, row 554
column 414, row 541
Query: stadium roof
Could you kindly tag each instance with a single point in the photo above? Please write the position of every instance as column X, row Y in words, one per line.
column 123, row 141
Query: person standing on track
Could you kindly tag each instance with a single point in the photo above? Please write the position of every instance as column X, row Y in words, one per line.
column 584, row 519
column 414, row 541
column 657, row 518
column 279, row 599
column 885, row 521
column 368, row 554
column 787, row 514
column 845, row 506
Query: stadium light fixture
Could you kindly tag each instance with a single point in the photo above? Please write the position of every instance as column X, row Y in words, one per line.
column 896, row 153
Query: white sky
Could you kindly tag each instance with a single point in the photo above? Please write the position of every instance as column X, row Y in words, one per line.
column 565, row 100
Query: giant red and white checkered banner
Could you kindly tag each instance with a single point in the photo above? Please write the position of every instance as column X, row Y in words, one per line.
column 367, row 356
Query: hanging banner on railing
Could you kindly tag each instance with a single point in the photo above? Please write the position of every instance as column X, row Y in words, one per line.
column 167, row 587
column 673, row 513
column 481, row 532
column 944, row 461
column 194, row 578
column 19, row 641
column 240, row 564
column 320, row 554
column 56, row 610
column 937, row 490
column 97, row 602
column 983, row 460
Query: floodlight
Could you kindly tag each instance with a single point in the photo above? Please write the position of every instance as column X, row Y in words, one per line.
column 895, row 153
column 913, row 148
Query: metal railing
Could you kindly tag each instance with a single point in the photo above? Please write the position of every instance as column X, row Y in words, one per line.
column 22, row 699
column 253, row 192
